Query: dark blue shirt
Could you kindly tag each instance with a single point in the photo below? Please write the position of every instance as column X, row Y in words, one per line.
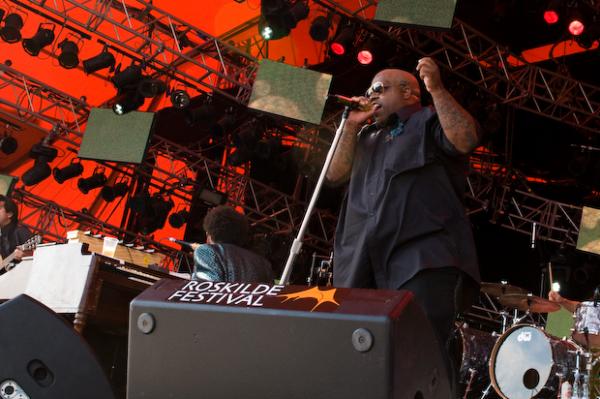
column 404, row 209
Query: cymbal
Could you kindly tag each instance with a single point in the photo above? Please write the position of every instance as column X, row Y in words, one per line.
column 499, row 289
column 533, row 303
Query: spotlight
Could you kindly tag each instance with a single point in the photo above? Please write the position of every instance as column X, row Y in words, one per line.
column 160, row 206
column 42, row 38
column 576, row 27
column 8, row 145
column 127, row 102
column 342, row 41
column 368, row 51
column 97, row 179
column 130, row 76
column 180, row 99
column 151, row 87
column 11, row 31
column 551, row 13
column 98, row 62
column 178, row 219
column 41, row 170
column 279, row 17
column 68, row 172
column 319, row 28
column 110, row 193
column 69, row 52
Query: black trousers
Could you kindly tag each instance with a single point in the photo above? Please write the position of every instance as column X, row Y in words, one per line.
column 443, row 294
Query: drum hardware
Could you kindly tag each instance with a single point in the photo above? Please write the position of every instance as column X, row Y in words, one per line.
column 321, row 272
column 528, row 303
column 497, row 290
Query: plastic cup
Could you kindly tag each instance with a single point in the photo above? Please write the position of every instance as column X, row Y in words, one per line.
column 109, row 246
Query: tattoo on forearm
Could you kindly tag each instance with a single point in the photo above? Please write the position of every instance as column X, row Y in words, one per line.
column 459, row 126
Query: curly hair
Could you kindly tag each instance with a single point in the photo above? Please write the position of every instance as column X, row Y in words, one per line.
column 225, row 225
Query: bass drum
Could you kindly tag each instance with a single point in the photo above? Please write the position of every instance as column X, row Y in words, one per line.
column 473, row 348
column 525, row 361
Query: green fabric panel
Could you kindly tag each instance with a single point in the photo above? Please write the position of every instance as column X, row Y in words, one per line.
column 119, row 138
column 428, row 13
column 289, row 91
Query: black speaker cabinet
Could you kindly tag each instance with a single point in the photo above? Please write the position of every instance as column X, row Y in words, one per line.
column 41, row 356
column 193, row 339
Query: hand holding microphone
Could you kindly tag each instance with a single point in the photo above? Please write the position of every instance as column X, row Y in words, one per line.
column 353, row 102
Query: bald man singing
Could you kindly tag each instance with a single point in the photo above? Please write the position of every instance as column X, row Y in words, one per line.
column 403, row 224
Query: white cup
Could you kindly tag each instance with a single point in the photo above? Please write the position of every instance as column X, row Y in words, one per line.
column 109, row 246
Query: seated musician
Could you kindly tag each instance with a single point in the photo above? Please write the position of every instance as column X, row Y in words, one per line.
column 12, row 234
column 225, row 257
column 568, row 304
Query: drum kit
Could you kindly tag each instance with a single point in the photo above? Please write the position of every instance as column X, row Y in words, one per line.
column 522, row 361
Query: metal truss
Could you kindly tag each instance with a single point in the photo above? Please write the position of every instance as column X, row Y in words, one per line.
column 495, row 191
column 270, row 209
column 476, row 58
column 53, row 221
column 163, row 41
column 40, row 106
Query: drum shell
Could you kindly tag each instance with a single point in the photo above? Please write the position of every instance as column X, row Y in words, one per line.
column 587, row 316
column 473, row 351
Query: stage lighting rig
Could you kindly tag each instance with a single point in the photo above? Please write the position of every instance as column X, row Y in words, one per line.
column 11, row 31
column 43, row 155
column 42, row 38
column 98, row 62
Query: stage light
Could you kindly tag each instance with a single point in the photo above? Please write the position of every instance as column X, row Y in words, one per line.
column 180, row 99
column 551, row 17
column 343, row 41
column 8, row 145
column 11, row 31
column 279, row 17
column 178, row 219
column 70, row 171
column 98, row 62
column 368, row 51
column 41, row 170
column 110, row 193
column 319, row 28
column 129, row 77
column 42, row 38
column 96, row 180
column 127, row 102
column 69, row 54
column 576, row 27
column 149, row 88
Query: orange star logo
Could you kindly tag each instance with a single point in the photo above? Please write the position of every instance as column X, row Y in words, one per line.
column 322, row 297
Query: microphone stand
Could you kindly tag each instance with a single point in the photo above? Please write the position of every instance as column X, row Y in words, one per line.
column 297, row 244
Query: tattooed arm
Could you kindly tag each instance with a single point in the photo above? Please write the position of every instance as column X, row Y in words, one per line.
column 459, row 126
column 341, row 164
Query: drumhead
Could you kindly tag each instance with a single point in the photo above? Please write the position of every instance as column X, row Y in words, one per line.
column 521, row 362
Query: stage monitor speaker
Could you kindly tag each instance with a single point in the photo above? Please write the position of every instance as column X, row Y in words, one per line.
column 212, row 340
column 41, row 356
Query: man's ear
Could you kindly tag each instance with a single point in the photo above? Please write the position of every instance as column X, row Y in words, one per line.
column 10, row 215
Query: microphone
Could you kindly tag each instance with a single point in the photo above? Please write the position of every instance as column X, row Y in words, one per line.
column 596, row 296
column 349, row 102
column 180, row 242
